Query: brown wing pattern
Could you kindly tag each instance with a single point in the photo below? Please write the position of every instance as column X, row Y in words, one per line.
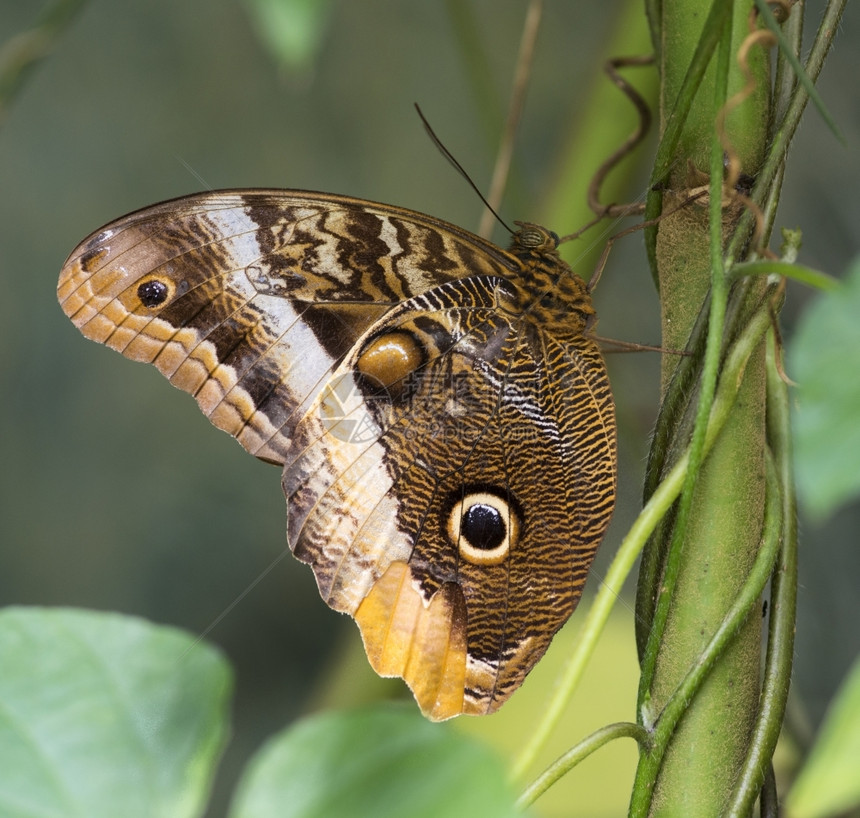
column 445, row 424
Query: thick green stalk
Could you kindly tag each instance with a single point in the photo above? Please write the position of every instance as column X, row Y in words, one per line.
column 705, row 561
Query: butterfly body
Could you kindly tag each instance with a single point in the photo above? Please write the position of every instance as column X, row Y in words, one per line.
column 443, row 421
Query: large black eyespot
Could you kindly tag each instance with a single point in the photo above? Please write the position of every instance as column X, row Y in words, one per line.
column 153, row 293
column 484, row 526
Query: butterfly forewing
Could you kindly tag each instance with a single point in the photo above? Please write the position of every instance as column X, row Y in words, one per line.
column 226, row 292
column 445, row 425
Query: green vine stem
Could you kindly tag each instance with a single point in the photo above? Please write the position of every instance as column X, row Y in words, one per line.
column 577, row 753
column 744, row 603
column 805, row 275
column 676, row 120
column 789, row 104
column 707, row 550
column 703, row 781
column 708, row 379
column 783, row 603
column 748, row 316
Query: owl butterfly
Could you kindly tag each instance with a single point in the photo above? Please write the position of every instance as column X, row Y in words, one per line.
column 443, row 421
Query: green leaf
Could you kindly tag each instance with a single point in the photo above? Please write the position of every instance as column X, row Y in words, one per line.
column 824, row 359
column 106, row 715
column 292, row 30
column 386, row 762
column 828, row 784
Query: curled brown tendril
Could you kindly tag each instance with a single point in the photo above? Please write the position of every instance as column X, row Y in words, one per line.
column 618, row 210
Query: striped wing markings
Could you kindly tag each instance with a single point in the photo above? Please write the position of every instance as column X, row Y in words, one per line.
column 216, row 209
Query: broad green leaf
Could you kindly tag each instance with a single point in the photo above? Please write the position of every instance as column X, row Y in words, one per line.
column 106, row 715
column 829, row 783
column 824, row 359
column 385, row 762
column 292, row 30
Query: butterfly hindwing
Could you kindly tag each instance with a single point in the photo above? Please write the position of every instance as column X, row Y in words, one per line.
column 444, row 423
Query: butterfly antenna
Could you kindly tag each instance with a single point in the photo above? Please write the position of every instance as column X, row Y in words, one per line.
column 450, row 157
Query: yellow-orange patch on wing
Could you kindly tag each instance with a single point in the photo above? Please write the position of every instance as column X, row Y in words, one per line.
column 423, row 643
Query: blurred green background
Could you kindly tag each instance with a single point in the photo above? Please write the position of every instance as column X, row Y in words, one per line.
column 116, row 494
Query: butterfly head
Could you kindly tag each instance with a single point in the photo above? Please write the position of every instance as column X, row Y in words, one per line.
column 532, row 238
column 547, row 287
